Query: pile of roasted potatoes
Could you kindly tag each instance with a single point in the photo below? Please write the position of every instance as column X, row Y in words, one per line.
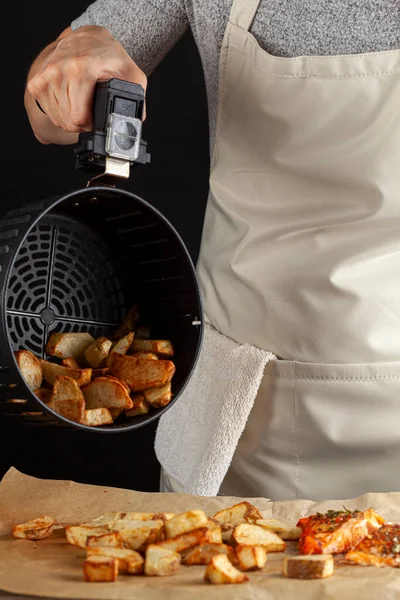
column 229, row 544
column 95, row 381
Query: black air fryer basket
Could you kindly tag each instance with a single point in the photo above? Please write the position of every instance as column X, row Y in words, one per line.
column 79, row 263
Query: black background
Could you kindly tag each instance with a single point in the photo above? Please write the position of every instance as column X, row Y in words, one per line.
column 176, row 182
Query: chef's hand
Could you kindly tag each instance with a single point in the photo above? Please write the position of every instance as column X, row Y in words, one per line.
column 63, row 77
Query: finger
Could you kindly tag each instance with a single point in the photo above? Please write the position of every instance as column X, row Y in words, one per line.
column 80, row 94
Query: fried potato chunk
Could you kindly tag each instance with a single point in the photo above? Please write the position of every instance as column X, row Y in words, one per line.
column 30, row 367
column 145, row 355
column 43, row 394
column 37, row 529
column 136, row 535
column 100, row 568
column 141, row 374
column 145, row 516
column 72, row 363
column 162, row 348
column 126, row 386
column 202, row 554
column 185, row 523
column 226, row 533
column 214, row 535
column 250, row 558
column 284, row 530
column 77, row 535
column 248, row 534
column 97, row 352
column 161, row 562
column 140, row 406
column 108, row 519
column 314, row 566
column 68, row 345
column 115, row 412
column 104, row 392
column 220, row 570
column 67, row 399
column 102, row 372
column 159, row 397
column 96, row 417
column 52, row 370
column 108, row 540
column 244, row 512
column 185, row 540
column 130, row 562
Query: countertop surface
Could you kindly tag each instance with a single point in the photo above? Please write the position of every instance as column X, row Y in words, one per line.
column 6, row 596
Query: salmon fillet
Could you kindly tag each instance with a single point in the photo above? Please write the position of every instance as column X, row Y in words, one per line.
column 380, row 549
column 336, row 531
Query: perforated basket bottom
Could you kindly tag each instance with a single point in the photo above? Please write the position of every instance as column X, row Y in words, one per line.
column 64, row 279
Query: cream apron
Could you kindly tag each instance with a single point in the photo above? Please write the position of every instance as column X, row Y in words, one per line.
column 301, row 256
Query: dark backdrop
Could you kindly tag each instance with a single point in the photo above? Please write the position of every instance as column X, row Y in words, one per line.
column 176, row 182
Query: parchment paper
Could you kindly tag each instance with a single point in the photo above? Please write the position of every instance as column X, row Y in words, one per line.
column 53, row 568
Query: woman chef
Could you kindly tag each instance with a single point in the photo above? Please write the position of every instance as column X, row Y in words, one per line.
column 300, row 252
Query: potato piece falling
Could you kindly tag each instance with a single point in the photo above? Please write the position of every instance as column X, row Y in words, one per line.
column 97, row 352
column 30, row 367
column 68, row 345
column 141, row 374
column 220, row 570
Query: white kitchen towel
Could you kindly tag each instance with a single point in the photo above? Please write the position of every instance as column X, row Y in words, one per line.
column 197, row 437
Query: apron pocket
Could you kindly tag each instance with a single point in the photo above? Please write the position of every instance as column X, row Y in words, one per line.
column 320, row 431
column 347, row 427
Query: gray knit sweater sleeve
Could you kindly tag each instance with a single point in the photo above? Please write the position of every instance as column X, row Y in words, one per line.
column 147, row 29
